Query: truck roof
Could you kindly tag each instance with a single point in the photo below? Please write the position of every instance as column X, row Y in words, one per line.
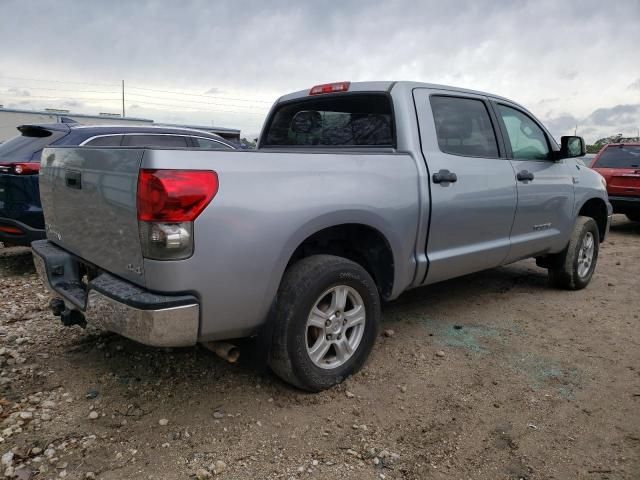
column 386, row 86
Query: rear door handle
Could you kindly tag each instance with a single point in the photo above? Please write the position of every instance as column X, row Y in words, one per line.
column 73, row 179
column 525, row 176
column 444, row 176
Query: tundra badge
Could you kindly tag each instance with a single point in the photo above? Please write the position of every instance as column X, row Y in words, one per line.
column 133, row 269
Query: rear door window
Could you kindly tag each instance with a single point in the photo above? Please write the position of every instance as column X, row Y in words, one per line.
column 619, row 156
column 106, row 141
column 343, row 120
column 464, row 127
column 155, row 141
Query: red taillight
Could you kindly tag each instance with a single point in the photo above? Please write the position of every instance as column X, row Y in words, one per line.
column 11, row 230
column 174, row 195
column 20, row 168
column 330, row 88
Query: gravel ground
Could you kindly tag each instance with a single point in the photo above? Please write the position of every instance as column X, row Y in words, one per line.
column 492, row 376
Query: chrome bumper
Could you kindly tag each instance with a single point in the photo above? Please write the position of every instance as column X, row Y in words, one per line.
column 118, row 306
column 166, row 327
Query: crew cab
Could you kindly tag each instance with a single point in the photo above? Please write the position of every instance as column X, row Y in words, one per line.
column 356, row 193
column 21, row 219
column 619, row 164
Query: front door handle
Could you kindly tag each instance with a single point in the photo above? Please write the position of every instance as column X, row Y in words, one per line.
column 444, row 176
column 525, row 176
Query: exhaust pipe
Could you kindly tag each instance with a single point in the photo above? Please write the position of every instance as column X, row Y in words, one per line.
column 226, row 351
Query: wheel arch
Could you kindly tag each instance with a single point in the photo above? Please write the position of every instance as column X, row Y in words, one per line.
column 362, row 237
column 596, row 208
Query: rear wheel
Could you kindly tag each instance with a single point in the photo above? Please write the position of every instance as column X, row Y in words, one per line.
column 578, row 261
column 325, row 322
column 634, row 216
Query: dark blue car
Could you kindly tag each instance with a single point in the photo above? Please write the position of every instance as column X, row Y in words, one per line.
column 21, row 219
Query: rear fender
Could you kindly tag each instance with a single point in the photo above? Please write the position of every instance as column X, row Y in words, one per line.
column 359, row 217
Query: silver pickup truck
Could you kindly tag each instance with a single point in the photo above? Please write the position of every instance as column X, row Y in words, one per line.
column 356, row 193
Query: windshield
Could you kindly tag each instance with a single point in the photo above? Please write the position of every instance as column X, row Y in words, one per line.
column 619, row 156
column 24, row 147
column 333, row 121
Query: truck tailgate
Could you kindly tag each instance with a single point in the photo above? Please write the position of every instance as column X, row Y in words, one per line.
column 89, row 201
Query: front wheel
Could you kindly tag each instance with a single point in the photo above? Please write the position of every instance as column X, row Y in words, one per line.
column 325, row 322
column 578, row 260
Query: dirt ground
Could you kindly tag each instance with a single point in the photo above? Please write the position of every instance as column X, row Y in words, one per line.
column 491, row 376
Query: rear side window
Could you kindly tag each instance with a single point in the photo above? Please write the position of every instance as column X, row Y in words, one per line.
column 619, row 156
column 343, row 120
column 463, row 127
column 155, row 141
column 106, row 141
column 210, row 144
column 26, row 147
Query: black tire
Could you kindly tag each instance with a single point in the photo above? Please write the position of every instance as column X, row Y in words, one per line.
column 566, row 274
column 634, row 216
column 301, row 287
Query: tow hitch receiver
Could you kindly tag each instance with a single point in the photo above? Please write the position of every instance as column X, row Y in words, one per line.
column 68, row 317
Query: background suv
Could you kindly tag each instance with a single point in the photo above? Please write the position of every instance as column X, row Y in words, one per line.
column 619, row 164
column 21, row 219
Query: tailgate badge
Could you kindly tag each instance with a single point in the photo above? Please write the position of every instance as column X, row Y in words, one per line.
column 132, row 269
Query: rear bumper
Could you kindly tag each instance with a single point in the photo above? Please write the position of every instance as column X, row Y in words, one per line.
column 624, row 204
column 116, row 305
column 18, row 233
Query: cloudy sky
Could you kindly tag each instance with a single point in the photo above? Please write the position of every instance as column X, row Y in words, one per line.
column 572, row 62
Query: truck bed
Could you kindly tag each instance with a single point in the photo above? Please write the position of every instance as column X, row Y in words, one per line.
column 267, row 204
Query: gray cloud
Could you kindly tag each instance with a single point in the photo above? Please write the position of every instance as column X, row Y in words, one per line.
column 600, row 123
column 563, row 123
column 614, row 116
column 19, row 92
column 635, row 85
column 255, row 50
column 73, row 104
column 568, row 75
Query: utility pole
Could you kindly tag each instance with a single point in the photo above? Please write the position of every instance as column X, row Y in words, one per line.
column 122, row 98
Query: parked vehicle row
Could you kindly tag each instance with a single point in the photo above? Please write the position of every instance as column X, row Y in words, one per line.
column 619, row 164
column 21, row 219
column 356, row 193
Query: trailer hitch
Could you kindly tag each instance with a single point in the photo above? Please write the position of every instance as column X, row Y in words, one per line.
column 68, row 317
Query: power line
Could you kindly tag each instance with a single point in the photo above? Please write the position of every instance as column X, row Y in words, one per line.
column 135, row 101
column 61, row 81
column 144, row 102
column 61, row 89
column 194, row 101
column 201, row 95
column 18, row 94
column 10, row 95
column 174, row 92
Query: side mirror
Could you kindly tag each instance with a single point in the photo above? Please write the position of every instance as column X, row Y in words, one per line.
column 572, row 147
